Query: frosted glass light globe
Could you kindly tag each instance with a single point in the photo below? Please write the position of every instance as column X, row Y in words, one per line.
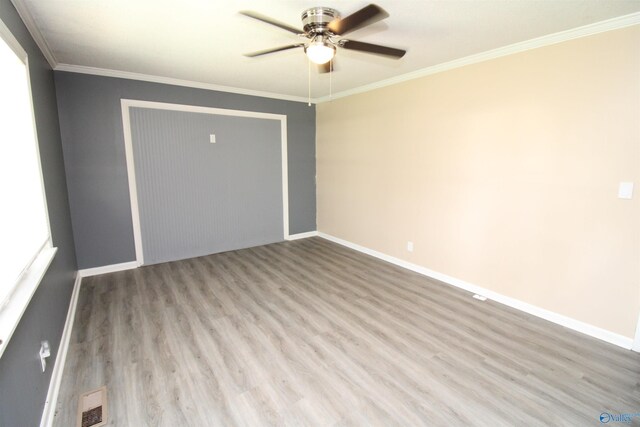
column 320, row 52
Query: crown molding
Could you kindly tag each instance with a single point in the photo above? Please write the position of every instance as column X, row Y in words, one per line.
column 175, row 82
column 584, row 31
column 37, row 36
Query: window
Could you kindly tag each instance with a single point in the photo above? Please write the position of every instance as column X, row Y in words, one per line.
column 26, row 249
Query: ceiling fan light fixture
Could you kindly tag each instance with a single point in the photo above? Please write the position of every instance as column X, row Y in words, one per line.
column 323, row 28
column 320, row 52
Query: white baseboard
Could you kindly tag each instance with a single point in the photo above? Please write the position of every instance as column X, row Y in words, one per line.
column 302, row 235
column 636, row 340
column 568, row 322
column 56, row 376
column 108, row 269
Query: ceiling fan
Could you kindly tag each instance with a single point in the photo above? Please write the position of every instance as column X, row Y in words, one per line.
column 323, row 28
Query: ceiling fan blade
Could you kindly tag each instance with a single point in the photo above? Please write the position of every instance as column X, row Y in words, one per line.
column 372, row 48
column 275, row 49
column 365, row 16
column 328, row 66
column 271, row 21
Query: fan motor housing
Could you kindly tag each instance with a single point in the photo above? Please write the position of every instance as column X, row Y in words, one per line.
column 316, row 19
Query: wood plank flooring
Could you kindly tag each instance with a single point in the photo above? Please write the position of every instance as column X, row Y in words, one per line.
column 311, row 333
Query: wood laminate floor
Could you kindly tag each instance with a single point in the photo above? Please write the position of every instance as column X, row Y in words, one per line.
column 311, row 333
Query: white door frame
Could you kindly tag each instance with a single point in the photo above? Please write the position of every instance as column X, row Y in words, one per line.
column 131, row 173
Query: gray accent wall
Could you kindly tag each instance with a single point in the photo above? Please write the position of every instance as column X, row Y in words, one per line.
column 23, row 386
column 92, row 135
column 197, row 198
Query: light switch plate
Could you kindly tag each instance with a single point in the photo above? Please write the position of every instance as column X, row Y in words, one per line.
column 212, row 138
column 625, row 190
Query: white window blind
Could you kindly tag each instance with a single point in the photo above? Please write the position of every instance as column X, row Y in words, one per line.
column 25, row 249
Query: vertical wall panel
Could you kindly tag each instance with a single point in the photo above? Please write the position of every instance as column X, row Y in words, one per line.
column 197, row 198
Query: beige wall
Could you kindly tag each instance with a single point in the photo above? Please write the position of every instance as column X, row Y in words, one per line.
column 503, row 174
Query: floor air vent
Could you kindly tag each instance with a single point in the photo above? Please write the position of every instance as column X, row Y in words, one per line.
column 92, row 408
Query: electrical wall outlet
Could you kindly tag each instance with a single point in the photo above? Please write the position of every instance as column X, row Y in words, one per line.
column 410, row 246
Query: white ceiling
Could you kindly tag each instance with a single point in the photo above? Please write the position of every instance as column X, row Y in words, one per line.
column 203, row 40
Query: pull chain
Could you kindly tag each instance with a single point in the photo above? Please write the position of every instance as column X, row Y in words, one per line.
column 330, row 78
column 309, row 82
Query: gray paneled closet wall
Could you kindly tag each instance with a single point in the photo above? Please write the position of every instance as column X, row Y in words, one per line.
column 196, row 197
